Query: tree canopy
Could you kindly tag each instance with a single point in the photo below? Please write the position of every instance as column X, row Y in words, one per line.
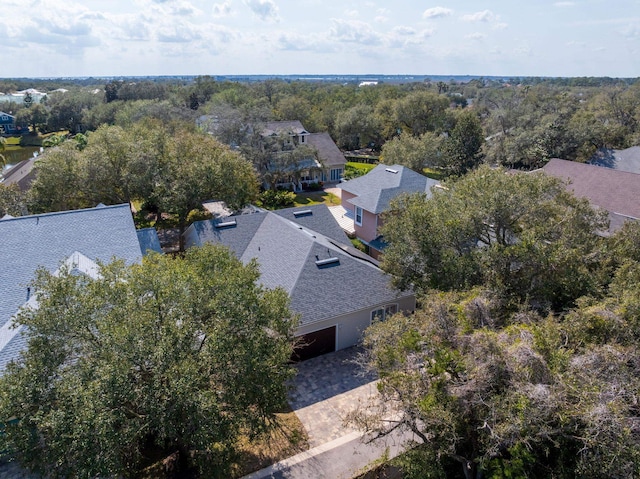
column 169, row 167
column 522, row 396
column 174, row 355
column 522, row 235
column 522, row 357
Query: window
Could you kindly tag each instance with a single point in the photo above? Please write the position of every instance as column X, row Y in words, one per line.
column 377, row 316
column 336, row 174
column 358, row 216
column 302, row 138
column 381, row 314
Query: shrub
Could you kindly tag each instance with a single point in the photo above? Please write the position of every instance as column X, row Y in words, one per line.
column 198, row 215
column 277, row 198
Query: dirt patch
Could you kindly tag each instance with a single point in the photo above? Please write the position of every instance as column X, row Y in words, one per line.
column 169, row 239
column 287, row 440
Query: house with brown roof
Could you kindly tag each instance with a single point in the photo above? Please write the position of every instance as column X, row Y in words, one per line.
column 617, row 192
column 21, row 174
column 330, row 162
column 330, row 156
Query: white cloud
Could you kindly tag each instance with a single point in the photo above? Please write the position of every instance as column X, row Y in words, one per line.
column 297, row 42
column 475, row 36
column 183, row 8
column 403, row 30
column 523, row 51
column 381, row 19
column 177, row 34
column 354, row 31
column 631, row 31
column 266, row 10
column 564, row 4
column 221, row 9
column 437, row 12
column 351, row 13
column 483, row 16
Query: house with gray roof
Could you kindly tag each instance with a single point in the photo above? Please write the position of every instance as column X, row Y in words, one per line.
column 78, row 238
column 616, row 191
column 623, row 160
column 365, row 198
column 336, row 291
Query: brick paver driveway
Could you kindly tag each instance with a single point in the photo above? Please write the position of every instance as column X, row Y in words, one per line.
column 326, row 389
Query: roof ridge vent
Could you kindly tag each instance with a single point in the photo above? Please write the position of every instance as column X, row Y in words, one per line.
column 226, row 224
column 299, row 213
column 391, row 170
column 327, row 262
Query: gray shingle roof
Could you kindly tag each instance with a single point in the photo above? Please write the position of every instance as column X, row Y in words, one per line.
column 287, row 252
column 149, row 241
column 624, row 160
column 46, row 240
column 375, row 190
column 328, row 151
column 319, row 220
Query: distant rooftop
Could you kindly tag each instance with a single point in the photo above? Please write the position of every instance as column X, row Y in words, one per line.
column 624, row 160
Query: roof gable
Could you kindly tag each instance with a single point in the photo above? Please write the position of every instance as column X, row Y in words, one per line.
column 375, row 190
column 328, row 151
column 279, row 127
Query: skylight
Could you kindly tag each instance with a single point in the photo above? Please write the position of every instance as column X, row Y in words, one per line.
column 391, row 170
column 226, row 224
column 327, row 262
column 299, row 213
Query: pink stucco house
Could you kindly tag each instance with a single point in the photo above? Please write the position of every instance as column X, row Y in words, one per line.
column 365, row 198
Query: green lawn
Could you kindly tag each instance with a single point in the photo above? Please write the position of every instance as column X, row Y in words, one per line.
column 316, row 198
column 433, row 173
column 361, row 167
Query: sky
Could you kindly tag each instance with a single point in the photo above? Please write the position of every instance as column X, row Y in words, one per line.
column 71, row 38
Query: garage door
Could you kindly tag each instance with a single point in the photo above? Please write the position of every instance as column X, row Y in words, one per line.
column 316, row 343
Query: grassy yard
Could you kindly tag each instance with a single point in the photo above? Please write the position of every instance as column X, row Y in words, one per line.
column 316, row 198
column 354, row 169
column 433, row 173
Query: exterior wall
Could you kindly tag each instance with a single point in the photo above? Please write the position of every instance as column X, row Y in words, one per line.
column 375, row 254
column 351, row 326
column 345, row 197
column 369, row 229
